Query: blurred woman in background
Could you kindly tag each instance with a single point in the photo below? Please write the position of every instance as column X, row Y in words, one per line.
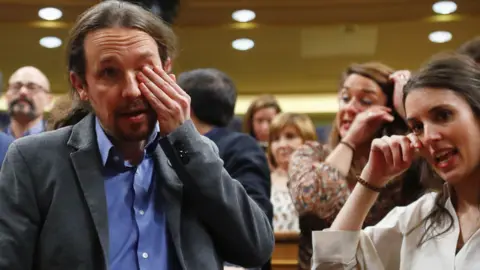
column 288, row 131
column 258, row 117
column 322, row 176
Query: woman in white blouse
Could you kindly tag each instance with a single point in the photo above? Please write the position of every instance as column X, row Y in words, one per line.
column 441, row 229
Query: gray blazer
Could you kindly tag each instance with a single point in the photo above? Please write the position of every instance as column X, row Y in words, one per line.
column 53, row 212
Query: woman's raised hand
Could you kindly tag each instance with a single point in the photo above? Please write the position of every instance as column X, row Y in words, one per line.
column 389, row 157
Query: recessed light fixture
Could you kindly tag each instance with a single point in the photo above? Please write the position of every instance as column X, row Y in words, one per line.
column 50, row 42
column 243, row 15
column 444, row 7
column 440, row 36
column 243, row 44
column 50, row 13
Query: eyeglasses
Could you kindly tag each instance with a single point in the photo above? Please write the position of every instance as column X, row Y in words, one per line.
column 31, row 87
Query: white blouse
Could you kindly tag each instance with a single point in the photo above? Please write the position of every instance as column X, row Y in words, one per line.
column 389, row 246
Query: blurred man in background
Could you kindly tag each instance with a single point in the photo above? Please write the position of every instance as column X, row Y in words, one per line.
column 28, row 93
column 213, row 98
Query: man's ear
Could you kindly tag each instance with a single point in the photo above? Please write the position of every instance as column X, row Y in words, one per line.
column 168, row 65
column 79, row 86
column 48, row 99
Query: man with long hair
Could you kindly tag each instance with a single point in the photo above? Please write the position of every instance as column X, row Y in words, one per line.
column 132, row 184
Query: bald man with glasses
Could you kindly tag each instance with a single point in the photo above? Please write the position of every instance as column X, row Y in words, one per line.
column 28, row 93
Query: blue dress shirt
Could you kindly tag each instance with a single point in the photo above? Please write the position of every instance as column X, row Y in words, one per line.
column 136, row 220
column 35, row 129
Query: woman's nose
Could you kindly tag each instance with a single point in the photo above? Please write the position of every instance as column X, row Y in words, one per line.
column 430, row 134
column 352, row 106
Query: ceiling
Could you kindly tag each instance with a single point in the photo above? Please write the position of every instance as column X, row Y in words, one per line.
column 300, row 46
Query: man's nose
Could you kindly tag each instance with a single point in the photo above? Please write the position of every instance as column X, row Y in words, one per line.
column 131, row 89
column 23, row 91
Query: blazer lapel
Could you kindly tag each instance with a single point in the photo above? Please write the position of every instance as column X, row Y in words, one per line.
column 171, row 191
column 87, row 163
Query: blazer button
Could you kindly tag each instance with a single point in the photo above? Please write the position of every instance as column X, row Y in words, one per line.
column 182, row 153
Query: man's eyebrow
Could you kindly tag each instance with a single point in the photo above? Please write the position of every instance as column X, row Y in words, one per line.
column 108, row 59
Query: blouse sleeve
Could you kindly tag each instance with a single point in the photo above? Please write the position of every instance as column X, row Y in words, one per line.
column 316, row 187
column 374, row 248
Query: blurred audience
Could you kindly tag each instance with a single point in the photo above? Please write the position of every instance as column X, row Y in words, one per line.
column 288, row 131
column 323, row 133
column 5, row 142
column 235, row 124
column 258, row 117
column 321, row 177
column 243, row 159
column 27, row 95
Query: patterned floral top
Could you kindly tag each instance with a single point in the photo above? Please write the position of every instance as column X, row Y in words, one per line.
column 285, row 217
column 319, row 191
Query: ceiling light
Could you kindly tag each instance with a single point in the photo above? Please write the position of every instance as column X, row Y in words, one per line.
column 50, row 42
column 440, row 36
column 243, row 15
column 50, row 13
column 444, row 7
column 243, row 44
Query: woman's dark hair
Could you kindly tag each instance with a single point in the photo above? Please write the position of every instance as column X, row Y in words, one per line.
column 104, row 15
column 460, row 74
column 471, row 48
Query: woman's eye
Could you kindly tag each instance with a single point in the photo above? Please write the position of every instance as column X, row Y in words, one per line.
column 443, row 116
column 290, row 136
column 367, row 102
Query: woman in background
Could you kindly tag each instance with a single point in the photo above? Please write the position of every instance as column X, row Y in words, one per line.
column 258, row 117
column 441, row 230
column 288, row 131
column 322, row 176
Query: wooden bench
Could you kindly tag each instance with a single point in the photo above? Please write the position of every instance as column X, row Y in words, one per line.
column 285, row 254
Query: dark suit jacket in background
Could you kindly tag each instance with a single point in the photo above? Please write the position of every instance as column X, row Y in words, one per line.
column 53, row 213
column 245, row 161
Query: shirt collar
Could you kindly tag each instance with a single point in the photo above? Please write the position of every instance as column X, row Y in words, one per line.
column 39, row 127
column 105, row 146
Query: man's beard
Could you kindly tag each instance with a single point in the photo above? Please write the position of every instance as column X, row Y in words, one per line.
column 134, row 134
column 23, row 107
